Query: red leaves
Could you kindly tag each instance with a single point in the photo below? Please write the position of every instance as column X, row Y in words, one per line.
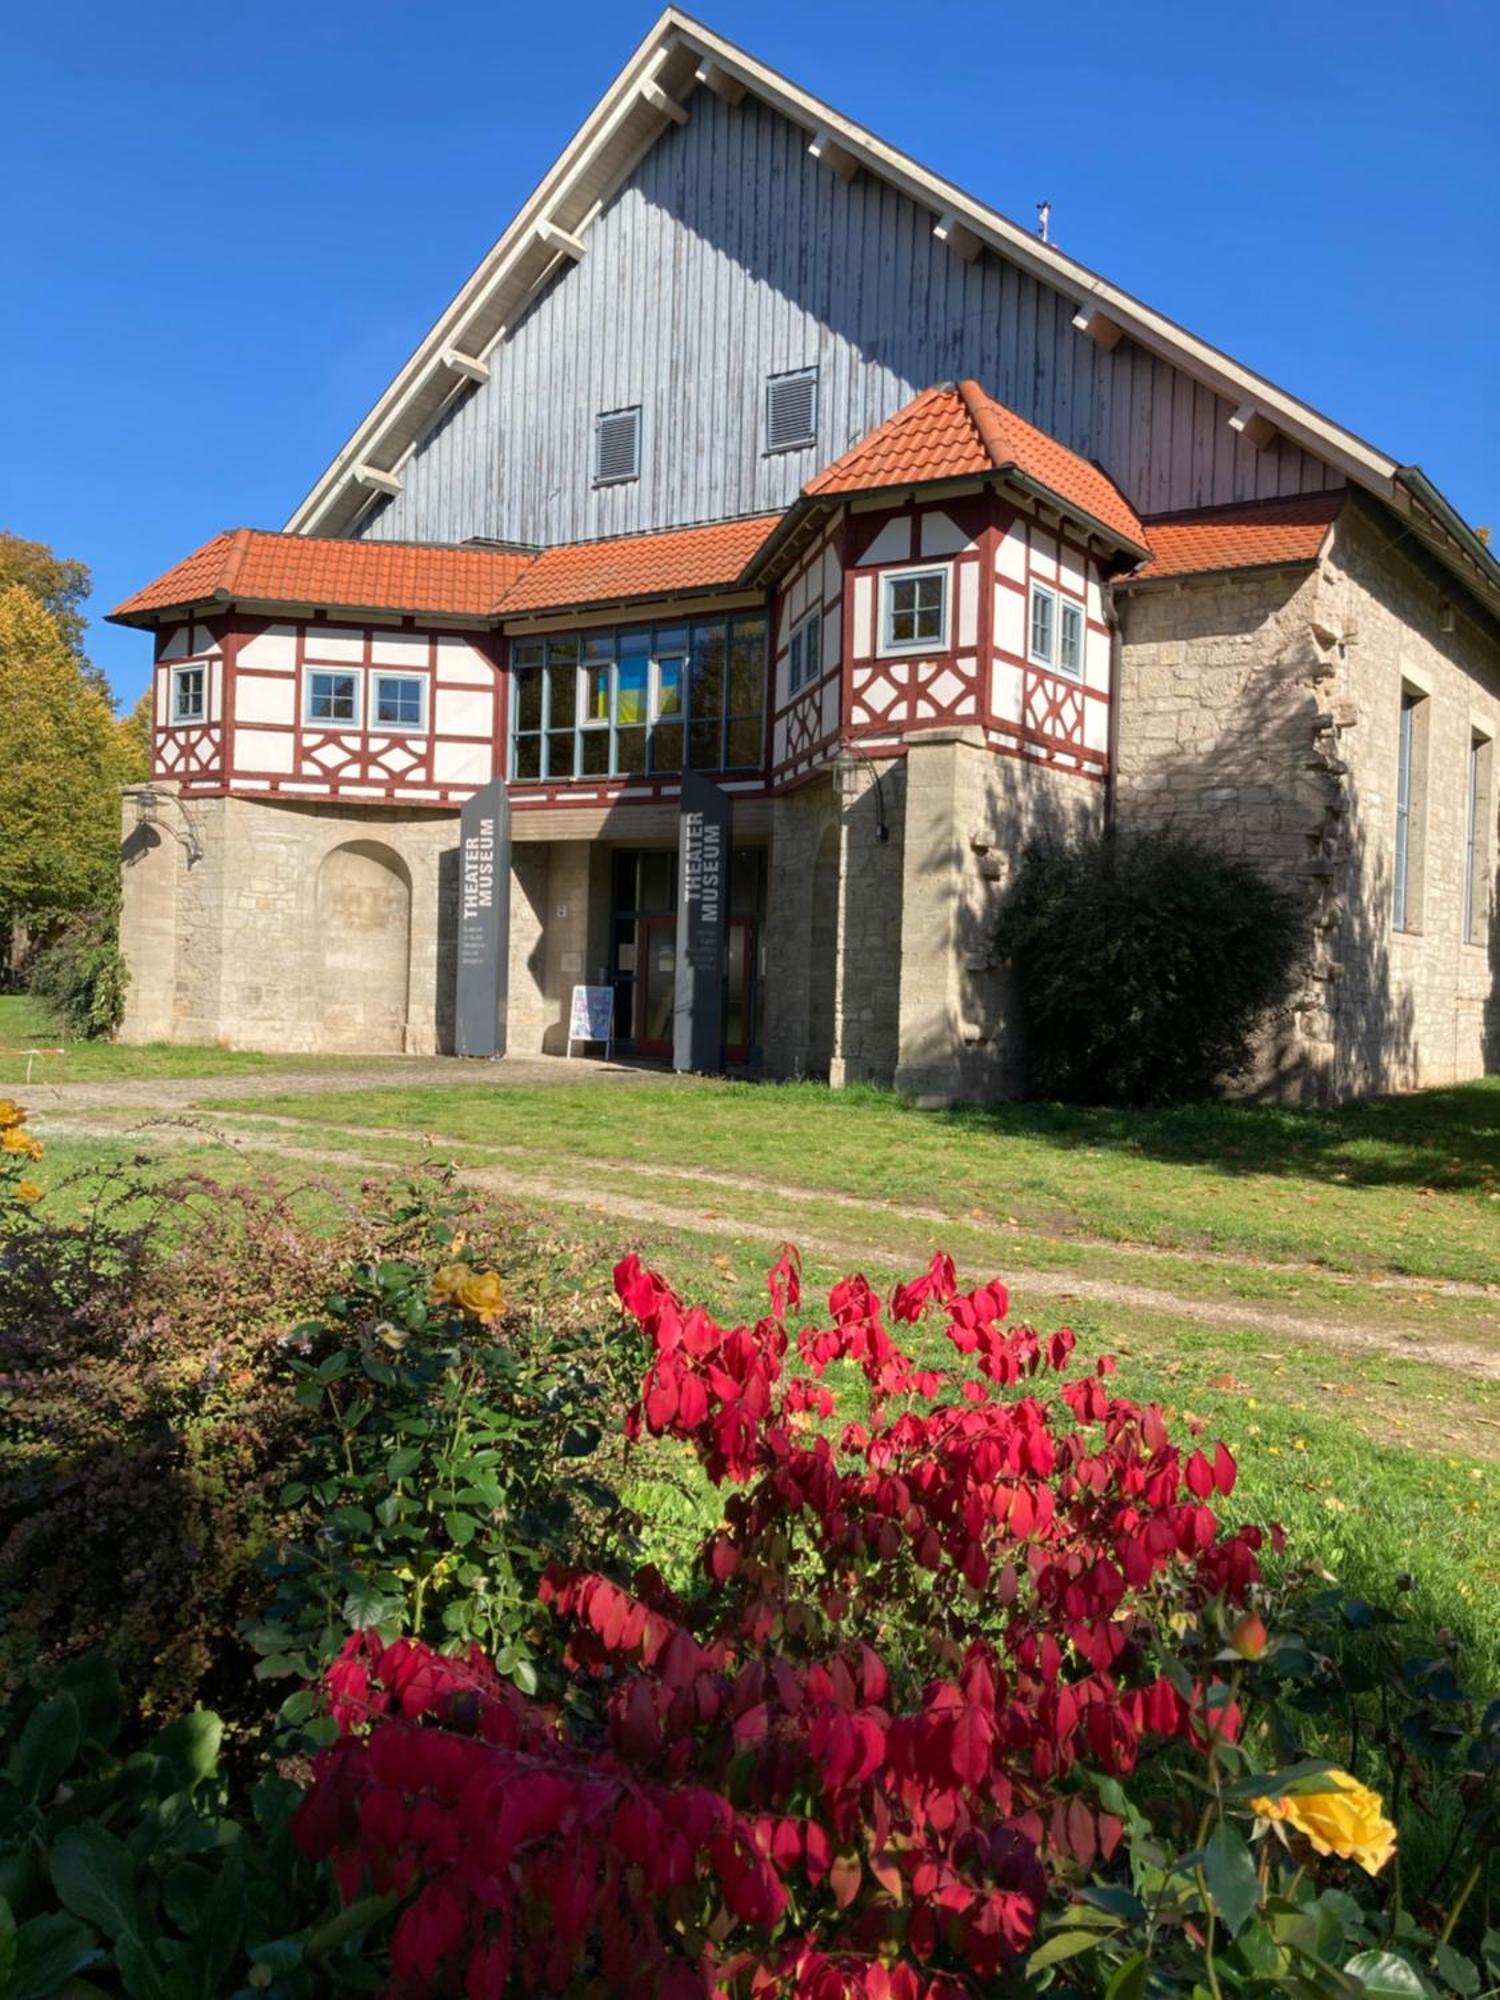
column 917, row 1641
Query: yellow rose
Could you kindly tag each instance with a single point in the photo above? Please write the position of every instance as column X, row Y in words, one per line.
column 483, row 1294
column 10, row 1113
column 1346, row 1820
column 445, row 1284
column 16, row 1139
column 28, row 1191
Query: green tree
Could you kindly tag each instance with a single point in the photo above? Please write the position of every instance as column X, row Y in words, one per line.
column 60, row 584
column 62, row 758
column 133, row 743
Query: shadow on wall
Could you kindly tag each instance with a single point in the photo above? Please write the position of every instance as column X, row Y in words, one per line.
column 1243, row 753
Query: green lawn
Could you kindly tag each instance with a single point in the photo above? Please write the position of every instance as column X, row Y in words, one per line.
column 1408, row 1185
column 34, row 1049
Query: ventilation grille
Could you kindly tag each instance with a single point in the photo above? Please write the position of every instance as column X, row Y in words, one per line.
column 792, row 410
column 617, row 446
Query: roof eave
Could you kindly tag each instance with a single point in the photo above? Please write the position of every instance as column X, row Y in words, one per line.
column 1206, row 574
column 506, row 618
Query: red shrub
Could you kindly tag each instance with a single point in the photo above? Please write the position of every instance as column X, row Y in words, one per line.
column 853, row 1763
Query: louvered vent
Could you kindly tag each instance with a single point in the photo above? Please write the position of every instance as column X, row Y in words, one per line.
column 617, row 446
column 792, row 410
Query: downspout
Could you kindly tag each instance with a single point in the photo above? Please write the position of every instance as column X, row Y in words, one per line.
column 1112, row 737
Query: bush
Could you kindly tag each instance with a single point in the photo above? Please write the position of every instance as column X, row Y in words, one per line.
column 1144, row 963
column 79, row 976
column 972, row 1696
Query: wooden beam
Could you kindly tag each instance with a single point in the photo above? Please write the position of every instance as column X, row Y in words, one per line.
column 957, row 235
column 1105, row 332
column 662, row 101
column 376, row 478
column 562, row 240
column 1253, row 426
column 824, row 147
column 466, row 364
column 713, row 76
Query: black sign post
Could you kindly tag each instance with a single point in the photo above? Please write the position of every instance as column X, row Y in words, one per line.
column 702, row 925
column 483, row 922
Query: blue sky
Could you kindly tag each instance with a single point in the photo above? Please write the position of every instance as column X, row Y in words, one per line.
column 228, row 226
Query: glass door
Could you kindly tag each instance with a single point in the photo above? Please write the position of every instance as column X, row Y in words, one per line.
column 656, row 982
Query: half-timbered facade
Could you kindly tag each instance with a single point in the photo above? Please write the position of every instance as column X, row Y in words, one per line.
column 753, row 449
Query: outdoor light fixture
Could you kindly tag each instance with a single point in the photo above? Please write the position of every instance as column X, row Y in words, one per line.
column 846, row 767
column 148, row 812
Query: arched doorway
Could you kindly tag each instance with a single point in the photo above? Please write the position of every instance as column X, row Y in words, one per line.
column 364, row 946
column 822, row 955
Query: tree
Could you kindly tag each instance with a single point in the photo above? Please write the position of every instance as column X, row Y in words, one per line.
column 59, row 584
column 133, row 734
column 63, row 757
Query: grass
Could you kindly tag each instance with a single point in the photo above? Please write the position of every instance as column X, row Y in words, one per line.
column 1405, row 1185
column 31, row 1042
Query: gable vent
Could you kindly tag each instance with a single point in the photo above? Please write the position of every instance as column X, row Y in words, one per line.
column 792, row 410
column 617, row 446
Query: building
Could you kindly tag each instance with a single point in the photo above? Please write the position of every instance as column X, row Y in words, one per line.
column 755, row 449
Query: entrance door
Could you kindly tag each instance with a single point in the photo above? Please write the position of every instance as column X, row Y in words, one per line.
column 739, row 991
column 656, row 983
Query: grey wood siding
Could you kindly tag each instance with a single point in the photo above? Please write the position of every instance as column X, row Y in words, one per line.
column 730, row 254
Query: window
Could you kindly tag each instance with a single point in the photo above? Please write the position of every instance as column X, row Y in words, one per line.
column 1411, row 810
column 1477, row 812
column 400, row 701
column 1070, row 638
column 914, row 610
column 617, row 704
column 617, row 446
column 805, row 652
column 792, row 410
column 332, row 697
column 189, row 698
column 1043, row 625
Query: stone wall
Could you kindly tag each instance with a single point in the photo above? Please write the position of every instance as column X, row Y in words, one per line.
column 804, row 826
column 871, row 798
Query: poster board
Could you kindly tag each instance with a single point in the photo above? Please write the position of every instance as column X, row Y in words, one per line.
column 591, row 1017
column 483, row 967
column 702, row 925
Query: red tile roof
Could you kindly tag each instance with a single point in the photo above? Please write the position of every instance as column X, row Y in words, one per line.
column 956, row 431
column 1257, row 534
column 636, row 566
column 260, row 568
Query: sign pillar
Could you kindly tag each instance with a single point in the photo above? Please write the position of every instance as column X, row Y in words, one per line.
column 702, row 925
column 483, row 979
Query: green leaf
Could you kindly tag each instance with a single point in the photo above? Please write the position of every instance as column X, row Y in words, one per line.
column 348, row 1923
column 1064, row 1944
column 1229, row 1870
column 402, row 1461
column 49, row 1950
column 94, row 1875
column 1386, row 1973
column 1308, row 1776
column 1258, row 1949
column 191, row 1745
column 47, row 1747
column 1129, row 1981
column 367, row 1605
column 217, row 1940
column 7, row 1942
column 95, row 1686
column 462, row 1528
column 1461, row 1973
column 357, row 1519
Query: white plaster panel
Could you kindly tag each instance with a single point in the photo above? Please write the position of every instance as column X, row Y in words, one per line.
column 399, row 649
column 1070, row 569
column 892, row 544
column 833, row 574
column 459, row 661
column 864, row 603
column 275, row 648
column 461, row 713
column 1006, row 691
column 1010, row 556
column 796, row 597
column 264, row 749
column 1095, row 658
column 462, row 763
column 1043, row 553
column 1096, row 725
column 263, row 700
column 176, row 647
column 1092, row 598
column 968, row 604
column 216, row 688
column 830, row 718
column 778, row 742
column 832, row 638
column 163, row 695
column 204, row 640
column 1010, row 620
column 942, row 536
column 325, row 643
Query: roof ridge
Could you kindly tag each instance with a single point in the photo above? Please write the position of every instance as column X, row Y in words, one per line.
column 234, row 559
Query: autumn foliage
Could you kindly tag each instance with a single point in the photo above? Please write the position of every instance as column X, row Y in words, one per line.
column 928, row 1646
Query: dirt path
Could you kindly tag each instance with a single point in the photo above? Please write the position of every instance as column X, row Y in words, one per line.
column 639, row 1211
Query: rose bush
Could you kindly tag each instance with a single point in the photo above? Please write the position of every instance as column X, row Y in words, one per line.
column 957, row 1709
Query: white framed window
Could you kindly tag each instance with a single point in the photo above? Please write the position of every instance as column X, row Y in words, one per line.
column 1042, row 626
column 1477, row 816
column 332, row 696
column 189, row 694
column 805, row 652
column 1070, row 638
column 914, row 610
column 398, row 701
